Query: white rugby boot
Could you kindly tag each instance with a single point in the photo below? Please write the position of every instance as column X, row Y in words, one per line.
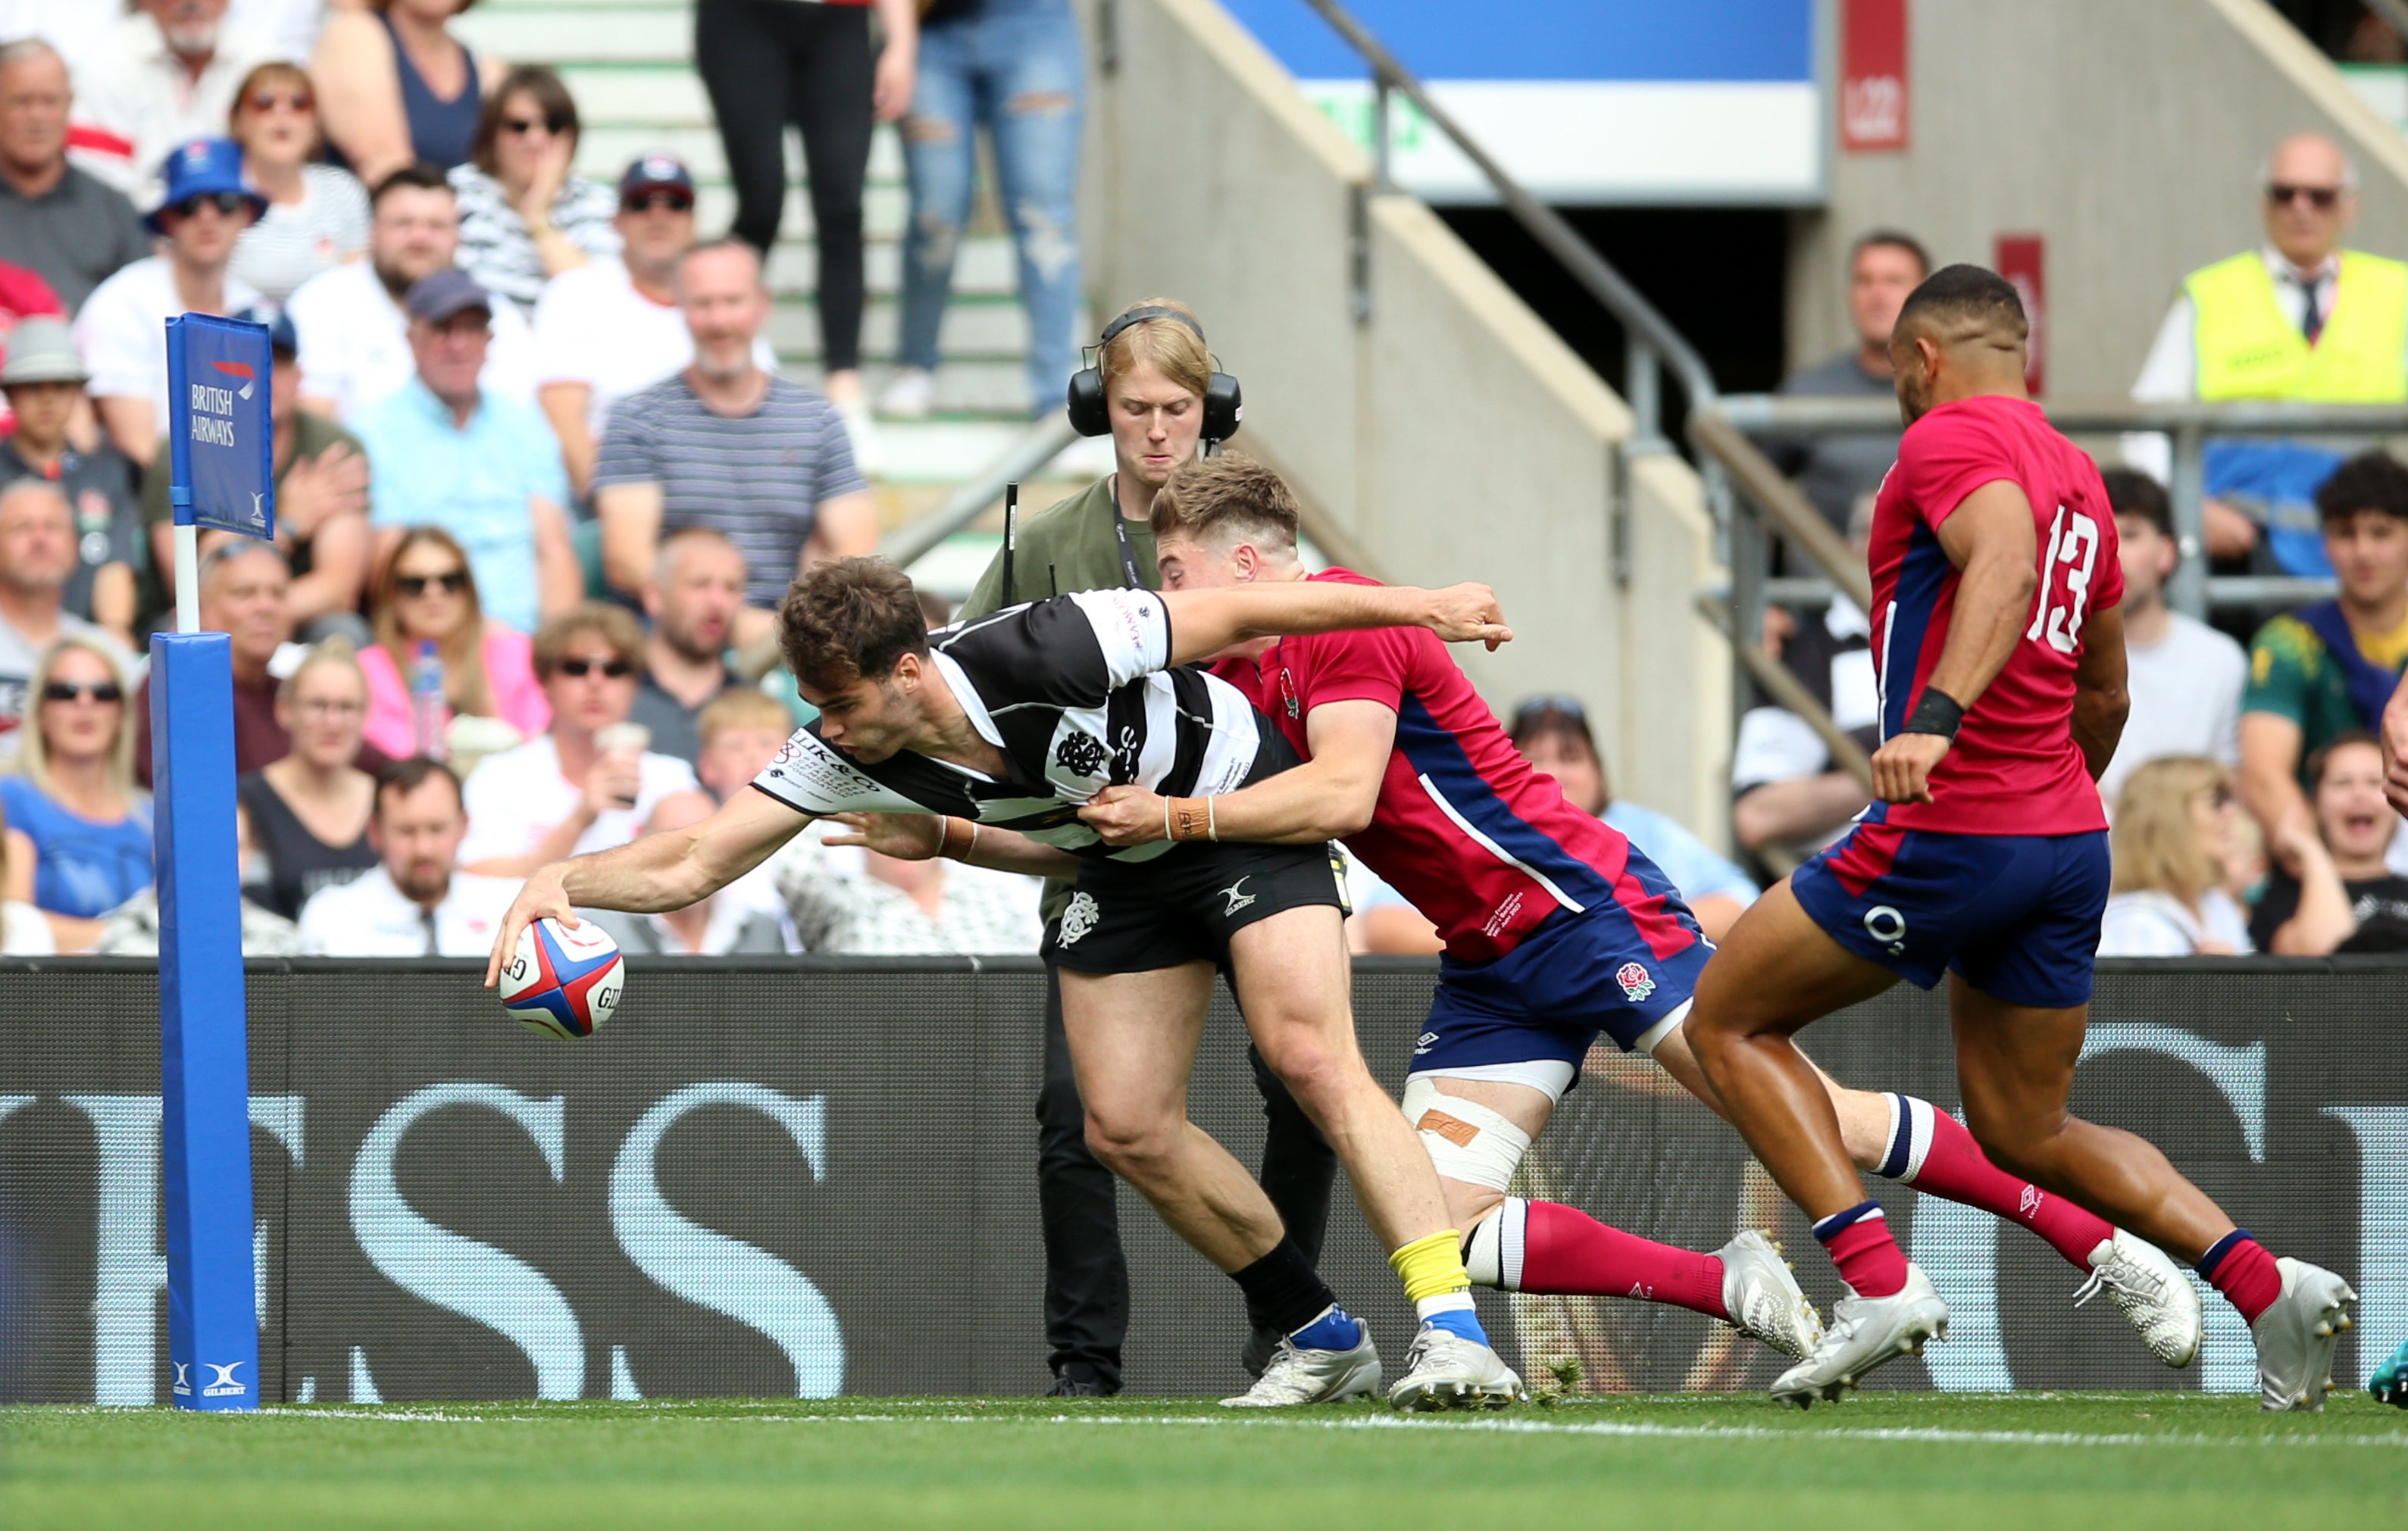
column 1445, row 1371
column 1761, row 1294
column 2297, row 1336
column 2156, row 1298
column 1866, row 1332
column 1297, row 1376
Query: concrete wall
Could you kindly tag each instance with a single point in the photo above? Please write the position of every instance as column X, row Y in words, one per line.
column 1453, row 436
column 2131, row 134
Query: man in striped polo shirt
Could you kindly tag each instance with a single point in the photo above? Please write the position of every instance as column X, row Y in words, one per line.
column 725, row 445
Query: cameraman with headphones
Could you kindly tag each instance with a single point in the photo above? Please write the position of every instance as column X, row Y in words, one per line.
column 1155, row 390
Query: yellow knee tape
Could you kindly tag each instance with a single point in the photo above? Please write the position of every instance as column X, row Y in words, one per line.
column 1432, row 1266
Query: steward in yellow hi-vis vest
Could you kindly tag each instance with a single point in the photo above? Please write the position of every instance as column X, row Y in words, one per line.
column 2249, row 349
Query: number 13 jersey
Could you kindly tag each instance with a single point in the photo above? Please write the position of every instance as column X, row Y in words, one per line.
column 2015, row 769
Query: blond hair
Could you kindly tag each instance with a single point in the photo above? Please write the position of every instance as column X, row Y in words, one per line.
column 336, row 651
column 742, row 708
column 2155, row 846
column 1176, row 350
column 34, row 750
column 465, row 686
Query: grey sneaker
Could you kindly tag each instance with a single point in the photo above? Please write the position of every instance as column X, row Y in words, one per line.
column 2157, row 1300
column 2297, row 1336
column 1866, row 1332
column 1297, row 1376
column 1445, row 1371
column 1762, row 1296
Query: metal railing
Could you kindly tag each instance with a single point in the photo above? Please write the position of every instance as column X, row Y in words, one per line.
column 1652, row 345
column 1027, row 456
column 2190, row 424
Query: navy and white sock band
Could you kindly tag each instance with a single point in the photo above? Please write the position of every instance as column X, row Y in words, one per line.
column 1840, row 1223
column 1910, row 1133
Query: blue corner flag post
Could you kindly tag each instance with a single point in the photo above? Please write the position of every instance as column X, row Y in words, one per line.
column 221, row 445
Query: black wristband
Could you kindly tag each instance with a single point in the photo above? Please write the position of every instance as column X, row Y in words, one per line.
column 1935, row 712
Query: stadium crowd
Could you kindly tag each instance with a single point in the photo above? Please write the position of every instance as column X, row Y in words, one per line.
column 540, row 484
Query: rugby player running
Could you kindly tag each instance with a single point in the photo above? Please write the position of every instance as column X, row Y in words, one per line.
column 1001, row 728
column 2000, row 649
column 1556, row 929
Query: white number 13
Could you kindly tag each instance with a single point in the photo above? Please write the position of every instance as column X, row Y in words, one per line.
column 2073, row 552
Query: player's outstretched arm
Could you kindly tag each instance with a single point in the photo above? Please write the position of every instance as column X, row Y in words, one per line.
column 924, row 836
column 2100, row 703
column 1205, row 621
column 669, row 871
column 1328, row 797
column 1989, row 537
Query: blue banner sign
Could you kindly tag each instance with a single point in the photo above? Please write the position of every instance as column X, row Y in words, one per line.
column 220, row 431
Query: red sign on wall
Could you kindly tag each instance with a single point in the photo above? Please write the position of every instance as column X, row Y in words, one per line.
column 2021, row 258
column 1872, row 74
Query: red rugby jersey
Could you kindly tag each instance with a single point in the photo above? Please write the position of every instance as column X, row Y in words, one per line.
column 1464, row 829
column 2015, row 769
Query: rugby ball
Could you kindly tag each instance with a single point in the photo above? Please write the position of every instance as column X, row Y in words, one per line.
column 563, row 982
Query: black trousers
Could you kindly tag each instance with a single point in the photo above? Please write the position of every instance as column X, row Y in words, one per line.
column 769, row 62
column 1086, row 1274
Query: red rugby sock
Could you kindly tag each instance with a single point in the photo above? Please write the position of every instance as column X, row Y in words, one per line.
column 1860, row 1244
column 1568, row 1252
column 2238, row 1266
column 1931, row 1151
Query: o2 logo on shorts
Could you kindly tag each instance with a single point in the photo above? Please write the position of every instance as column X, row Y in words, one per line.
column 1887, row 926
column 1079, row 918
column 1636, row 984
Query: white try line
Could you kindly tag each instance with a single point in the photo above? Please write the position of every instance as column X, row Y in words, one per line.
column 1935, row 1435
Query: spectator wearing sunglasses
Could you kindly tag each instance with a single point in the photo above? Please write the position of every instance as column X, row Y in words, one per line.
column 37, row 561
column 590, row 783
column 206, row 207
column 166, row 74
column 2174, row 837
column 79, row 828
column 2298, row 317
column 608, row 329
column 525, row 218
column 429, row 595
column 317, row 216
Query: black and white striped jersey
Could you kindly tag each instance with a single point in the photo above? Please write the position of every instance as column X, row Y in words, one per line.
column 1075, row 693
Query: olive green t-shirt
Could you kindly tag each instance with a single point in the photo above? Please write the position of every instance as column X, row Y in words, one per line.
column 1065, row 547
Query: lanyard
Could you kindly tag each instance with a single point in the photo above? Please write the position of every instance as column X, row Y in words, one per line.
column 1129, row 553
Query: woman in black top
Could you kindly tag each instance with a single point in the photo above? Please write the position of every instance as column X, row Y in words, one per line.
column 310, row 811
column 2344, row 897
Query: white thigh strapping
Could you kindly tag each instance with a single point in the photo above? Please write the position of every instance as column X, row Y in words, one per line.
column 1467, row 1141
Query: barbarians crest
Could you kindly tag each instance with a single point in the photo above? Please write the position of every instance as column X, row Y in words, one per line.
column 1081, row 754
column 1079, row 917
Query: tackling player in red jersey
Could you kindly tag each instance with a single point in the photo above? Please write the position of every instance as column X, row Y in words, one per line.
column 1556, row 929
column 1999, row 645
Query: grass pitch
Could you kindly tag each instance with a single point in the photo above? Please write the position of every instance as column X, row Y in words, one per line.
column 2118, row 1460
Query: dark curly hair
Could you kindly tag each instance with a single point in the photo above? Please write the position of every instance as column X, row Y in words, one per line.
column 850, row 618
column 2371, row 481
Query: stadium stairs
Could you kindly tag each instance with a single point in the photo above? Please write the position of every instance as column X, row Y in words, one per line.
column 629, row 64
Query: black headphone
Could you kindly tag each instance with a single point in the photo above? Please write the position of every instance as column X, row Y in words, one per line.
column 1224, row 405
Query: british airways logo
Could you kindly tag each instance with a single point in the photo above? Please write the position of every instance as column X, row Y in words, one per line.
column 242, row 370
